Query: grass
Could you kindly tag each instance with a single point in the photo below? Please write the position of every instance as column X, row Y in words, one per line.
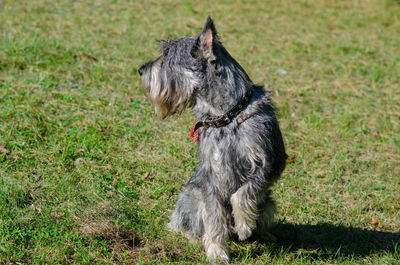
column 92, row 175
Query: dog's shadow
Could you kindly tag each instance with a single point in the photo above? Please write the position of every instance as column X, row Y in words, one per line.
column 326, row 240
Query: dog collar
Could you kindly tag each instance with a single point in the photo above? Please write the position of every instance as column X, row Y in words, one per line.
column 222, row 120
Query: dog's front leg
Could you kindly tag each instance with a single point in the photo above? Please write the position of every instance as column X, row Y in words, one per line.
column 244, row 210
column 215, row 230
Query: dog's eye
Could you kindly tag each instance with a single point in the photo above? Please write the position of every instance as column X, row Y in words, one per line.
column 165, row 51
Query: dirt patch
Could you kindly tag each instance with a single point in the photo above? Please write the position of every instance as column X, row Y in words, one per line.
column 120, row 238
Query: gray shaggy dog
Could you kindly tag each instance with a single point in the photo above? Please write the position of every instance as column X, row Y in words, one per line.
column 241, row 150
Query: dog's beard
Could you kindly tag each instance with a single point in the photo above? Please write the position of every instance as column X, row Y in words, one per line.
column 166, row 92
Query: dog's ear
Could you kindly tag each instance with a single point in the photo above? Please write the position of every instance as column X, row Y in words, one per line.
column 205, row 43
column 208, row 37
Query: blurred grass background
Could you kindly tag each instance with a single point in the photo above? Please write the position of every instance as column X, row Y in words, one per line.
column 88, row 174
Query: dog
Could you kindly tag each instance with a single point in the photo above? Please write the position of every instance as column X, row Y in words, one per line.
column 241, row 150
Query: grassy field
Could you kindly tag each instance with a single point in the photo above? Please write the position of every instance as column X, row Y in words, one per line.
column 88, row 173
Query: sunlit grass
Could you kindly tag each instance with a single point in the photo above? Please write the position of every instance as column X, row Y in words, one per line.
column 92, row 174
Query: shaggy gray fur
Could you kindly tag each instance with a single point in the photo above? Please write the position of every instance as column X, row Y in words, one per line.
column 230, row 190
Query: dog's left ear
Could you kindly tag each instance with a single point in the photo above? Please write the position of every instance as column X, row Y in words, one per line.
column 205, row 43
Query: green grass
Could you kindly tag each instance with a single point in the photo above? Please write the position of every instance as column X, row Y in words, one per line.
column 92, row 174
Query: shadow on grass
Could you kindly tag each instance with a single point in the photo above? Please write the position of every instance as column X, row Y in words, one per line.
column 326, row 240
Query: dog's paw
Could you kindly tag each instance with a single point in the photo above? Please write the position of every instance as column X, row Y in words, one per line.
column 216, row 254
column 243, row 231
column 192, row 239
column 173, row 227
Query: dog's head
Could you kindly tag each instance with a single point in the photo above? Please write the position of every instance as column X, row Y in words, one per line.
column 186, row 66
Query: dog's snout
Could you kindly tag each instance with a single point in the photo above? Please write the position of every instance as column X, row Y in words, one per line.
column 141, row 70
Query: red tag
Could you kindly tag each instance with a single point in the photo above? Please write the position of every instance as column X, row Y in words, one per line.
column 194, row 135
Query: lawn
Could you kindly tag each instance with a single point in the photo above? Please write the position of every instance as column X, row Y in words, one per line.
column 89, row 174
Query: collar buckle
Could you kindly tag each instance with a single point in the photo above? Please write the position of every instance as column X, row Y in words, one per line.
column 226, row 118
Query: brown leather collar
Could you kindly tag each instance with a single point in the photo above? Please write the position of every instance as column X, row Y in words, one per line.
column 226, row 118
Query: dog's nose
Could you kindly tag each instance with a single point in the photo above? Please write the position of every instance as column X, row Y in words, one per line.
column 141, row 69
